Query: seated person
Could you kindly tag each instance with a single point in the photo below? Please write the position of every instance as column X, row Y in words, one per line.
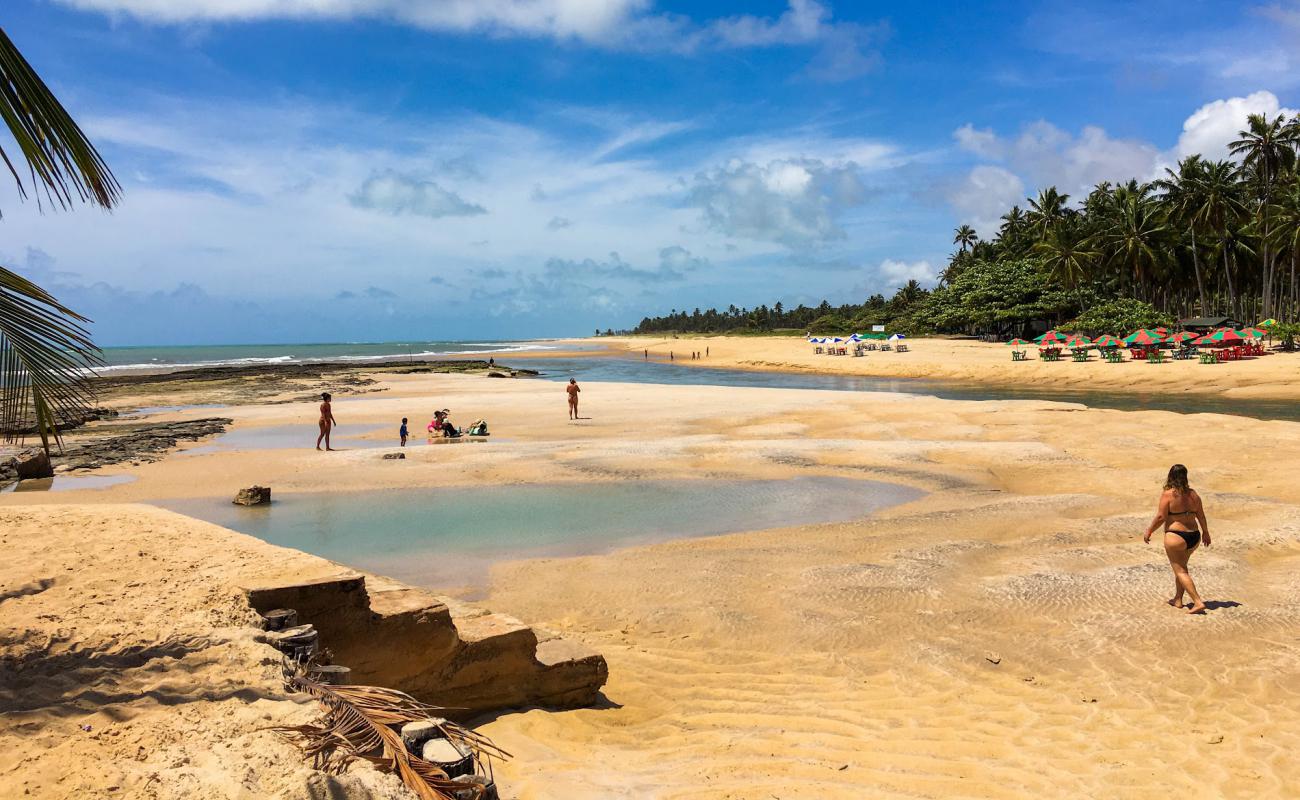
column 442, row 422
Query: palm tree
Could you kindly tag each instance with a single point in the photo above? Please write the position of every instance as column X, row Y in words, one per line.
column 1267, row 147
column 1183, row 190
column 965, row 238
column 1047, row 211
column 45, row 352
column 1219, row 208
column 1067, row 255
column 1134, row 237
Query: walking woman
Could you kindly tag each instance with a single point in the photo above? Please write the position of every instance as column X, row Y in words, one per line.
column 327, row 422
column 1183, row 517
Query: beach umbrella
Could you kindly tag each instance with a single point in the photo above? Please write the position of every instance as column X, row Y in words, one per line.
column 1017, row 343
column 1221, row 336
column 1077, row 340
column 1268, row 323
column 1184, row 336
column 1051, row 337
column 1162, row 330
column 1106, row 340
column 896, row 337
column 1144, row 337
column 1252, row 333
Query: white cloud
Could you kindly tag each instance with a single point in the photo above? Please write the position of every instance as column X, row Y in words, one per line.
column 793, row 201
column 898, row 273
column 984, row 195
column 983, row 143
column 394, row 193
column 1210, row 129
column 622, row 24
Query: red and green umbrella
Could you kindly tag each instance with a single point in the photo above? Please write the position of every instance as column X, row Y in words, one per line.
column 1078, row 340
column 1144, row 337
column 1221, row 336
column 1051, row 337
column 1184, row 336
column 1017, row 343
column 1106, row 340
column 1252, row 333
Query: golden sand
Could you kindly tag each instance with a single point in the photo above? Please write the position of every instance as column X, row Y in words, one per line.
column 1004, row 636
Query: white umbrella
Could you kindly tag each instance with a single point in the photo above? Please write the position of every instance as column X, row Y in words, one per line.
column 896, row 337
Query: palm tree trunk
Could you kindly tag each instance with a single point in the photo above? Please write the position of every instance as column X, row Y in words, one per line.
column 1227, row 272
column 1196, row 266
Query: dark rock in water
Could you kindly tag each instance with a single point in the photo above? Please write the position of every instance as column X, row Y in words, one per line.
column 499, row 375
column 33, row 464
column 526, row 372
column 253, row 496
column 142, row 442
column 394, row 456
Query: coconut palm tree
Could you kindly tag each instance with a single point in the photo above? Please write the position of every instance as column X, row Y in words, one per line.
column 1133, row 237
column 1267, row 148
column 1219, row 209
column 1067, row 255
column 45, row 351
column 1182, row 191
column 1047, row 211
column 965, row 238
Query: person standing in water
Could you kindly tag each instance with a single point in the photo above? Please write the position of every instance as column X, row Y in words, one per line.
column 1183, row 517
column 327, row 422
column 573, row 390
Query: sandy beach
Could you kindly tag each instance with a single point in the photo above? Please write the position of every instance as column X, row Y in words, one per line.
column 971, row 362
column 1005, row 635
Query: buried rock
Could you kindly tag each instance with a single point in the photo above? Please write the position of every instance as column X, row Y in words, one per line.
column 253, row 496
column 31, row 465
column 394, row 456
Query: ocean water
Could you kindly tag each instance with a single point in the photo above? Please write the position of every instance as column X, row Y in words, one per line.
column 449, row 537
column 146, row 358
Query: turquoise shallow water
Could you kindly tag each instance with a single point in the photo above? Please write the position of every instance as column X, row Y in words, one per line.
column 447, row 538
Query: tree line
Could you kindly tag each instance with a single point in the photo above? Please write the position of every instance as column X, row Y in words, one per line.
column 1209, row 238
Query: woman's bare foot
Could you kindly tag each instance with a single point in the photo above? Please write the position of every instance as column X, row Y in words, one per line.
column 1196, row 608
column 1175, row 602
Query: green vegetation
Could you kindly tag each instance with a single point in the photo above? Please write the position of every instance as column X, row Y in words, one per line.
column 1212, row 238
column 44, row 349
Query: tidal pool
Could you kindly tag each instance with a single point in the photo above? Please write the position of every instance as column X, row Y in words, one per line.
column 448, row 537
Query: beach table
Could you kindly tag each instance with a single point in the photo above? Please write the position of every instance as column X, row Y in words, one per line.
column 1155, row 356
column 886, row 346
column 900, row 348
column 1019, row 355
column 1209, row 357
column 1113, row 356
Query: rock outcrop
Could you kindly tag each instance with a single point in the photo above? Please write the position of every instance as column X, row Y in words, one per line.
column 253, row 496
column 460, row 656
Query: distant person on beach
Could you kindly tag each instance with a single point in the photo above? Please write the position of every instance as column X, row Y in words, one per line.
column 1183, row 517
column 327, row 422
column 403, row 432
column 647, row 355
column 573, row 390
column 442, row 424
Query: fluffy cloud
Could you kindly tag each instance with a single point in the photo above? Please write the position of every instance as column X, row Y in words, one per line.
column 1210, row 129
column 985, row 194
column 898, row 273
column 559, row 223
column 395, row 193
column 792, row 201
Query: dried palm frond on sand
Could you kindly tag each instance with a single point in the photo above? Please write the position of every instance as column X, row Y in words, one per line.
column 360, row 722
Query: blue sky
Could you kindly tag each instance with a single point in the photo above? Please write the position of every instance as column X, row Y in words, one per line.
column 390, row 169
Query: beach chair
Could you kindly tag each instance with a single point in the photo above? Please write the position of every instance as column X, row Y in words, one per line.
column 1019, row 355
column 901, row 348
column 1209, row 357
column 886, row 346
column 1156, row 356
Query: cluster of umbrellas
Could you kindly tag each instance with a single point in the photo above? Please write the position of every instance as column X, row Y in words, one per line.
column 857, row 337
column 1151, row 337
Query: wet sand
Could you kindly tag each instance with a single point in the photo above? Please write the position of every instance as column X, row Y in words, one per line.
column 1003, row 636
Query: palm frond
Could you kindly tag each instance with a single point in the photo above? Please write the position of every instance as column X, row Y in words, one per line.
column 361, row 722
column 46, row 361
column 60, row 159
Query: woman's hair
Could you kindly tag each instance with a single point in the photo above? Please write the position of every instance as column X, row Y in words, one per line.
column 1177, row 479
column 324, row 395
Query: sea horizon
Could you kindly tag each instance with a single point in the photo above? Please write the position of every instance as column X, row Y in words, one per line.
column 147, row 357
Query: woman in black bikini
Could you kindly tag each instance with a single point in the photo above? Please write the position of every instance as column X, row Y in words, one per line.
column 1185, row 528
